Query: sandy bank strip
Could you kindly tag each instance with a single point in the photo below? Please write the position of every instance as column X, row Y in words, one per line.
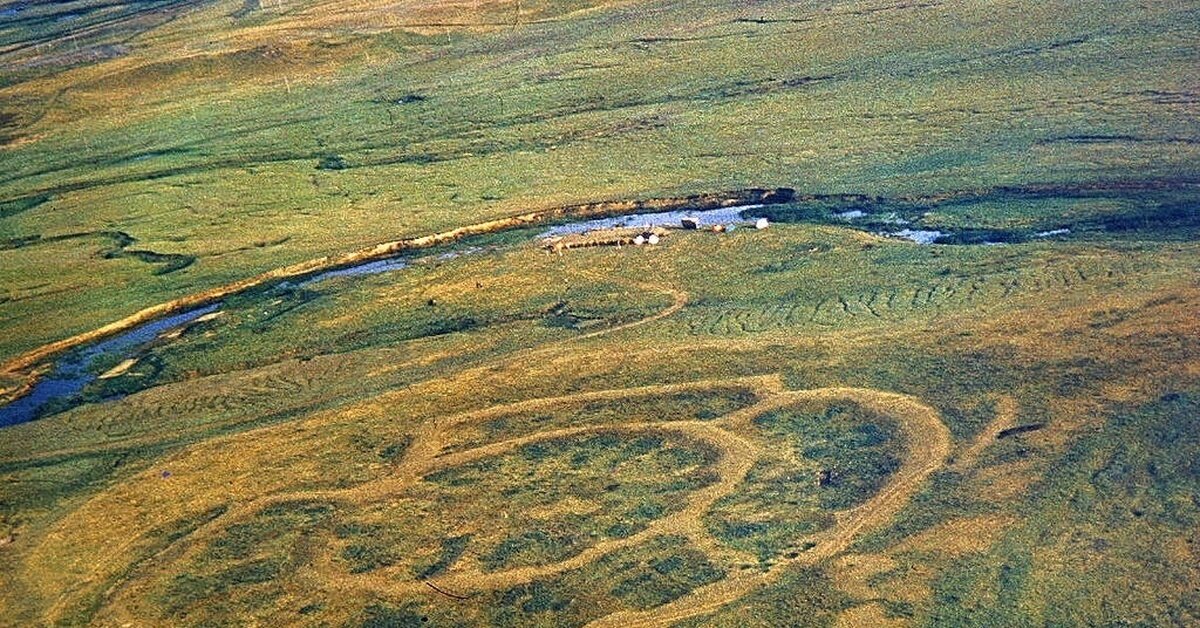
column 696, row 202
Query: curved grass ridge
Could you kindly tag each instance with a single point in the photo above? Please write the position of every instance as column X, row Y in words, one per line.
column 698, row 202
column 929, row 448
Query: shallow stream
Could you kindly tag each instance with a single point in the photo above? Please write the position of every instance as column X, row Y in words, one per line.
column 71, row 372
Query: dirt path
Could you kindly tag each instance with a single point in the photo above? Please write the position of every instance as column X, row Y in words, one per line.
column 432, row 442
column 928, row 447
column 423, row 456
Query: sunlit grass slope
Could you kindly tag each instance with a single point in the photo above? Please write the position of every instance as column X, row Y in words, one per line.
column 278, row 463
column 808, row 424
column 201, row 131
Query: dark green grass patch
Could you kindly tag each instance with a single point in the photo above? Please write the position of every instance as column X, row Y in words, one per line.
column 533, row 547
column 662, row 580
column 394, row 451
column 626, row 481
column 1100, row 534
column 164, row 262
column 44, row 483
column 364, row 557
column 656, row 572
column 452, row 549
column 679, row 406
column 834, row 459
column 270, row 529
column 14, row 207
column 387, row 616
column 246, row 565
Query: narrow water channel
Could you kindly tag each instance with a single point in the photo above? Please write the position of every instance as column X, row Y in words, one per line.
column 61, row 386
column 74, row 370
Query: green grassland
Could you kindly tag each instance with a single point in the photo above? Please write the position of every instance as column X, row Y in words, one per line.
column 438, row 130
column 782, row 501
column 625, row 435
column 325, row 423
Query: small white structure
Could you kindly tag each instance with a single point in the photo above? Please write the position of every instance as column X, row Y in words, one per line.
column 617, row 237
column 761, row 223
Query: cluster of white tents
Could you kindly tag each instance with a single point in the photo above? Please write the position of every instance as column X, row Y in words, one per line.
column 622, row 236
column 646, row 238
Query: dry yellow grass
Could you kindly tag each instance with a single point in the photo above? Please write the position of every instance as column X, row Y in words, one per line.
column 1004, row 482
column 147, row 501
column 872, row 614
column 958, row 537
column 851, row 572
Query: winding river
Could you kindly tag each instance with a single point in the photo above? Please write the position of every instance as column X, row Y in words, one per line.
column 70, row 372
column 64, row 381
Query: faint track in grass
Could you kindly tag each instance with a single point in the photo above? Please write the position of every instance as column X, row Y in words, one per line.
column 919, row 421
column 1007, row 410
column 928, row 448
column 738, row 455
column 422, row 455
column 891, row 303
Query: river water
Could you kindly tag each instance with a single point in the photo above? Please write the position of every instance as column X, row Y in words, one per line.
column 74, row 370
